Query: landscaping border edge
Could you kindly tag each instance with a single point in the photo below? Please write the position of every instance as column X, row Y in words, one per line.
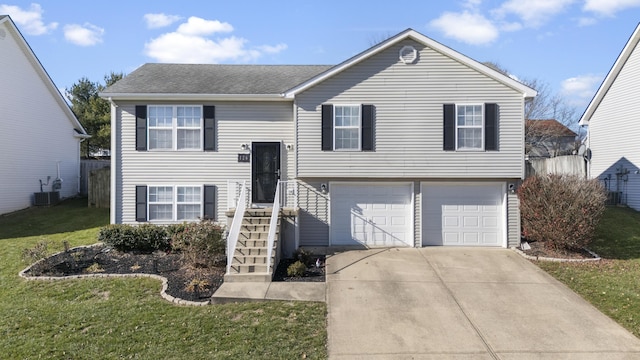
column 163, row 292
column 596, row 257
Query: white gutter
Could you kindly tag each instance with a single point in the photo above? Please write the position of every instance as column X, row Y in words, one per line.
column 114, row 168
column 193, row 97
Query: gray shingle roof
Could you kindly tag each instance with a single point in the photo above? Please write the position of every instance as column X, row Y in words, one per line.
column 214, row 79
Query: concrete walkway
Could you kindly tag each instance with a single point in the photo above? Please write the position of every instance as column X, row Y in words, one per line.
column 257, row 291
column 461, row 303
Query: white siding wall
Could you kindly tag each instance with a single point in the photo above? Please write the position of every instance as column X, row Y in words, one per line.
column 614, row 129
column 236, row 123
column 408, row 102
column 36, row 133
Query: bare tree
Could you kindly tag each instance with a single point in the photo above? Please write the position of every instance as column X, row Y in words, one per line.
column 544, row 136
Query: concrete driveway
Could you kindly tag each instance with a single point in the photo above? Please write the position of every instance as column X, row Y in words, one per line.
column 461, row 303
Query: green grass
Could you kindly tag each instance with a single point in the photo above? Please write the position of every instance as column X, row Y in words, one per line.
column 127, row 318
column 612, row 285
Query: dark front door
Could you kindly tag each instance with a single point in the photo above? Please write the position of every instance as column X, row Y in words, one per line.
column 265, row 171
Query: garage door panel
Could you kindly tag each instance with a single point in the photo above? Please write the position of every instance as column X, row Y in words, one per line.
column 372, row 215
column 470, row 221
column 465, row 214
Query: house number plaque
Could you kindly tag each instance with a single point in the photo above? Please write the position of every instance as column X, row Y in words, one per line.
column 244, row 158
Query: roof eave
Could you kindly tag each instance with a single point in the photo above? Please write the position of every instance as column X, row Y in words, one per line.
column 409, row 33
column 194, row 97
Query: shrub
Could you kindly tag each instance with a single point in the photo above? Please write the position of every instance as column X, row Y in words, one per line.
column 561, row 211
column 296, row 269
column 36, row 253
column 202, row 244
column 146, row 237
column 303, row 256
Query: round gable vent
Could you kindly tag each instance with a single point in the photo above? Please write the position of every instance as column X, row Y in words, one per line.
column 408, row 54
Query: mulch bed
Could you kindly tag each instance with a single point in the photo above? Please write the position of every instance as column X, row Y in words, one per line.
column 100, row 259
column 538, row 249
column 312, row 274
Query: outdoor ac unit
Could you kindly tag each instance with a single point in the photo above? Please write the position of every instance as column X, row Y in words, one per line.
column 46, row 198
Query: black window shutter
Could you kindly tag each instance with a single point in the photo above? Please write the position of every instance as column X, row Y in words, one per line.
column 367, row 127
column 491, row 126
column 141, row 203
column 327, row 127
column 209, row 113
column 449, row 137
column 141, row 127
column 210, row 202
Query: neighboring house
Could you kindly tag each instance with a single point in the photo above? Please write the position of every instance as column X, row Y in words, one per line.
column 548, row 138
column 408, row 143
column 613, row 132
column 40, row 136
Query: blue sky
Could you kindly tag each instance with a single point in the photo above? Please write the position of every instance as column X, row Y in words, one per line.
column 569, row 44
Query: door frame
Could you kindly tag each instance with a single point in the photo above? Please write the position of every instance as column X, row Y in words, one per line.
column 252, row 175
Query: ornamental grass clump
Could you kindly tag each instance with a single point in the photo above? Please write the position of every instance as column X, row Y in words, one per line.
column 561, row 211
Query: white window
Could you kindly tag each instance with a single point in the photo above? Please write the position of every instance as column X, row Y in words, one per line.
column 160, row 203
column 469, row 127
column 175, row 127
column 346, row 125
column 175, row 203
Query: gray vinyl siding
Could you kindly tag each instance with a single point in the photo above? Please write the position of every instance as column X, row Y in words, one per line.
column 236, row 123
column 513, row 219
column 314, row 213
column 408, row 122
column 614, row 132
column 417, row 214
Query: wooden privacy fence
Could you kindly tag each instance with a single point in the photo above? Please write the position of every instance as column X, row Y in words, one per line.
column 99, row 188
column 570, row 164
column 86, row 166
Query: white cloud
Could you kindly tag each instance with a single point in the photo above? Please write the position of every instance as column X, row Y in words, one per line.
column 467, row 27
column 190, row 44
column 155, row 21
column 533, row 13
column 586, row 21
column 472, row 4
column 29, row 21
column 83, row 35
column 609, row 7
column 198, row 27
column 270, row 49
column 580, row 89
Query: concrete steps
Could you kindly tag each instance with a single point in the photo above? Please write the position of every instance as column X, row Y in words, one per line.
column 250, row 256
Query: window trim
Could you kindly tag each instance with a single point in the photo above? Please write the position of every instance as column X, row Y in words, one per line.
column 481, row 127
column 174, row 202
column 174, row 128
column 359, row 127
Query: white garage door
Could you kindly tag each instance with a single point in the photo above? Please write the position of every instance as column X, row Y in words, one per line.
column 372, row 214
column 463, row 214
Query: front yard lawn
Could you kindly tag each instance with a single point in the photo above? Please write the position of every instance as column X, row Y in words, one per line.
column 127, row 318
column 611, row 285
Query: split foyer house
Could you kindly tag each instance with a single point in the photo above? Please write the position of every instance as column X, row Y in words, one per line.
column 408, row 143
column 40, row 136
column 612, row 137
